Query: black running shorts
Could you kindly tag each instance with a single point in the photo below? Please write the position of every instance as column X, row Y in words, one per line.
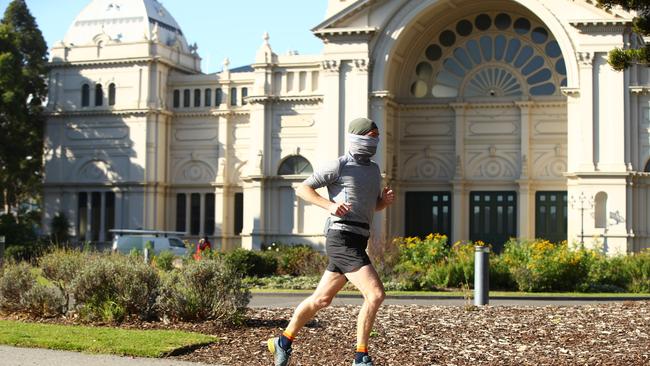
column 346, row 251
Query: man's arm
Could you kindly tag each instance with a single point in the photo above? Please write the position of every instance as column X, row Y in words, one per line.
column 387, row 198
column 310, row 195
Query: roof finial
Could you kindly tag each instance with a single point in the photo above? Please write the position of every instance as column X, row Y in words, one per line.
column 266, row 37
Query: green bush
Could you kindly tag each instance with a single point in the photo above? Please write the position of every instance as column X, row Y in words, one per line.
column 204, row 290
column 115, row 286
column 420, row 260
column 16, row 281
column 250, row 263
column 500, row 277
column 637, row 267
column 44, row 301
column 165, row 260
column 543, row 266
column 297, row 260
column 61, row 267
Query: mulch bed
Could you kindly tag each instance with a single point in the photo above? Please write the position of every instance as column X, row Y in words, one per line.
column 604, row 334
column 600, row 334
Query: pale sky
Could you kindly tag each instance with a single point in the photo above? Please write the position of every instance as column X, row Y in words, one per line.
column 220, row 28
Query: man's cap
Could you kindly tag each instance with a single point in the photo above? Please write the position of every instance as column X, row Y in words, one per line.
column 361, row 126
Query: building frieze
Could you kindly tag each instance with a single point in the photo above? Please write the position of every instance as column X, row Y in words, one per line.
column 106, row 112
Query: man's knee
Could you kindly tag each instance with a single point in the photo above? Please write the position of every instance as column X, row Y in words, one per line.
column 322, row 301
column 376, row 297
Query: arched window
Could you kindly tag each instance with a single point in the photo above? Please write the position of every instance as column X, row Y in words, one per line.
column 244, row 94
column 501, row 55
column 647, row 167
column 233, row 96
column 295, row 165
column 197, row 97
column 99, row 95
column 85, row 95
column 177, row 98
column 111, row 94
column 208, row 97
column 600, row 210
column 218, row 99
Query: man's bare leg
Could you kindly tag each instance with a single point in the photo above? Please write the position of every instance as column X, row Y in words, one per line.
column 368, row 282
column 330, row 284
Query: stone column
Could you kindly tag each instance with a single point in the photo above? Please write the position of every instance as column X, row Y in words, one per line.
column 202, row 214
column 525, row 208
column 460, row 213
column 330, row 129
column 584, row 114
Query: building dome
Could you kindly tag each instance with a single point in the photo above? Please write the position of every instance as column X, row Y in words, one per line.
column 125, row 21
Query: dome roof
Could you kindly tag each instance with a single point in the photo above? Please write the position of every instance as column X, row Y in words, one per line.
column 125, row 21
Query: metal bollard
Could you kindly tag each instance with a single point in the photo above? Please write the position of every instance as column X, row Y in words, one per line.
column 481, row 275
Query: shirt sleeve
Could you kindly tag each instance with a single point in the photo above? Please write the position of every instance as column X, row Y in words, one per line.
column 323, row 176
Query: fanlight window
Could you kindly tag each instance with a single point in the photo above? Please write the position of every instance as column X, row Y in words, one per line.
column 295, row 165
column 491, row 56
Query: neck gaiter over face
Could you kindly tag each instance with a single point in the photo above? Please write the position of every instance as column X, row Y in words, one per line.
column 362, row 148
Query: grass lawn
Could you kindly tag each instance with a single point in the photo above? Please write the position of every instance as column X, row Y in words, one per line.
column 139, row 343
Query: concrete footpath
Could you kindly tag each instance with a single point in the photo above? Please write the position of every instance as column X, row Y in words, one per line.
column 13, row 356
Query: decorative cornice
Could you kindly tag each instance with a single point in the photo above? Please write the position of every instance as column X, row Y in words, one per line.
column 267, row 99
column 585, row 59
column 601, row 25
column 570, row 92
column 640, row 90
column 331, row 66
column 361, row 64
column 484, row 105
column 339, row 32
column 106, row 112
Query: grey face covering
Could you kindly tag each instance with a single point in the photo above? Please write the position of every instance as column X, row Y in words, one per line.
column 362, row 147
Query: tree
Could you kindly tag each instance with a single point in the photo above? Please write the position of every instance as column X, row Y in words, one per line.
column 621, row 59
column 23, row 65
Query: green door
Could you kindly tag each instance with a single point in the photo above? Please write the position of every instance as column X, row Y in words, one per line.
column 493, row 217
column 551, row 216
column 428, row 213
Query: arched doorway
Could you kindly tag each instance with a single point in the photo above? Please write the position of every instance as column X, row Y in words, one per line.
column 478, row 118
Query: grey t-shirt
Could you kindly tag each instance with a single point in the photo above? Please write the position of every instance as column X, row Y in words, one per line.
column 348, row 180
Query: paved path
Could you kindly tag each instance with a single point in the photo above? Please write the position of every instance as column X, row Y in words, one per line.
column 12, row 356
column 291, row 300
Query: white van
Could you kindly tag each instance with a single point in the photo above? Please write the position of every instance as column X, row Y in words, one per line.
column 160, row 241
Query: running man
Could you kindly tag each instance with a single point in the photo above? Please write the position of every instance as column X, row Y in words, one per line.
column 353, row 183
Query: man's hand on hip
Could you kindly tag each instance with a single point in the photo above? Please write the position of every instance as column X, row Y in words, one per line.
column 339, row 209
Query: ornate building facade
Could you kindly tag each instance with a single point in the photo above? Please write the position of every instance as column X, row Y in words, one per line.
column 499, row 119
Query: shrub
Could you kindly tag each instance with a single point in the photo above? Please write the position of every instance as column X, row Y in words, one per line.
column 250, row 263
column 637, row 267
column 61, row 266
column 543, row 266
column 204, row 290
column 44, row 301
column 298, row 260
column 164, row 261
column 500, row 277
column 15, row 282
column 420, row 261
column 115, row 286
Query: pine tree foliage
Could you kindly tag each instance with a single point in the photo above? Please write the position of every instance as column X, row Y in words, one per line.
column 23, row 66
column 621, row 59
